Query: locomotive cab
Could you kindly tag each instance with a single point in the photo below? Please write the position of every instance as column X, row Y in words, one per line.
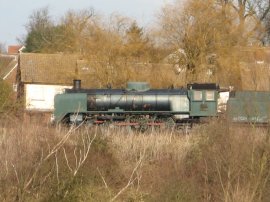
column 203, row 99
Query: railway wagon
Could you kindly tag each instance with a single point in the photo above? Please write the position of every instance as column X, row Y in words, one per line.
column 249, row 107
column 136, row 103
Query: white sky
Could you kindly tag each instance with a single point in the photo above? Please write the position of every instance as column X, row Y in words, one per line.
column 14, row 14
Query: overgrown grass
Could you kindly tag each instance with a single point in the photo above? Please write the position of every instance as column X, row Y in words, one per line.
column 230, row 163
column 213, row 163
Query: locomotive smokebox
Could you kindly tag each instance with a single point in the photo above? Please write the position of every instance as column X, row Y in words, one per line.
column 76, row 84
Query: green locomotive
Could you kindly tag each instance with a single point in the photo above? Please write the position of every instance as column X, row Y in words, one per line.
column 135, row 103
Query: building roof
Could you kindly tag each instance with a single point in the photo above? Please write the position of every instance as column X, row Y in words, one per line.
column 7, row 64
column 15, row 49
column 50, row 68
column 61, row 69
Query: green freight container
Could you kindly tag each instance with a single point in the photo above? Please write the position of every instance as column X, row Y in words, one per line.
column 249, row 106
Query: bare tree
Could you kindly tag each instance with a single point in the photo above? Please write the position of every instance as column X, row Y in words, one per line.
column 80, row 27
column 256, row 10
column 119, row 24
column 210, row 27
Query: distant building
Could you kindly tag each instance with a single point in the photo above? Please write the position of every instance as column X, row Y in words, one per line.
column 42, row 76
column 15, row 49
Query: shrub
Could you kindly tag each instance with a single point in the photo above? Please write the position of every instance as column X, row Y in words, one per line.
column 214, row 163
column 5, row 95
column 230, row 163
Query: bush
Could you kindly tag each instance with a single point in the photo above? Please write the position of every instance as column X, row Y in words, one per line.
column 214, row 163
column 230, row 163
column 53, row 164
column 5, row 95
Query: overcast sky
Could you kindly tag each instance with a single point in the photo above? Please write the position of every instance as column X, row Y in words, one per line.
column 14, row 14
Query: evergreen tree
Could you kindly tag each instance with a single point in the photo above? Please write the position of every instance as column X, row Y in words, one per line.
column 136, row 44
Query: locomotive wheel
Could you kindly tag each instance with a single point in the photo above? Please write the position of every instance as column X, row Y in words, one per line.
column 143, row 127
column 169, row 123
column 138, row 123
column 142, row 124
column 153, row 126
column 90, row 123
column 184, row 128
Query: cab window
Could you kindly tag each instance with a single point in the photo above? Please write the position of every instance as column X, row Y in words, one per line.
column 197, row 96
column 210, row 95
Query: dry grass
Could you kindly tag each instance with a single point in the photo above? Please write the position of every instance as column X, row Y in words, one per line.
column 216, row 162
column 233, row 162
column 36, row 157
column 156, row 145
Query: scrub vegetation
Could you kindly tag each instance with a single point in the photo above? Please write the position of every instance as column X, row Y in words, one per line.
column 216, row 162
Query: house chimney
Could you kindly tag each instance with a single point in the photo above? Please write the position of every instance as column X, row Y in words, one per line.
column 76, row 84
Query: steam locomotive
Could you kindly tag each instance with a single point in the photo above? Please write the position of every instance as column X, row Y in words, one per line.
column 137, row 104
column 140, row 106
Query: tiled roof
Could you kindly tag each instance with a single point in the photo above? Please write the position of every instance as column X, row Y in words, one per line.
column 15, row 49
column 6, row 65
column 61, row 69
column 48, row 68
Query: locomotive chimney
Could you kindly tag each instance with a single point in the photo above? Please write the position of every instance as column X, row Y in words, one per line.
column 76, row 84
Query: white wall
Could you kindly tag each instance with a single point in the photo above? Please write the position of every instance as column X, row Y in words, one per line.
column 222, row 101
column 41, row 97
